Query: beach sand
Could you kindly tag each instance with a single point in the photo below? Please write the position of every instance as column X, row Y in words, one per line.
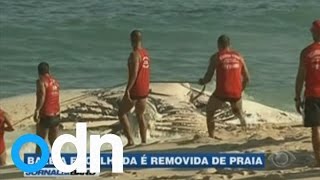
column 178, row 125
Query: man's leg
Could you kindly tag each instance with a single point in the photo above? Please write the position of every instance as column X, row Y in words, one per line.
column 316, row 143
column 238, row 112
column 53, row 134
column 3, row 155
column 140, row 108
column 124, row 108
column 312, row 119
column 3, row 158
column 42, row 132
column 213, row 105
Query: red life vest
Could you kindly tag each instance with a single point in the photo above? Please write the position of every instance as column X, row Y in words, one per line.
column 311, row 62
column 229, row 69
column 141, row 86
column 51, row 106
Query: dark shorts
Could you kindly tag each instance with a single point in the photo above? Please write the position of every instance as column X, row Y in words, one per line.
column 138, row 97
column 312, row 112
column 49, row 121
column 227, row 99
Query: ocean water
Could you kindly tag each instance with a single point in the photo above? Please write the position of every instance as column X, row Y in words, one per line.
column 87, row 42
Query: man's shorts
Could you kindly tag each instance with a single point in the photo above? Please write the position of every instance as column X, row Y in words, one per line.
column 49, row 121
column 138, row 97
column 312, row 112
column 227, row 99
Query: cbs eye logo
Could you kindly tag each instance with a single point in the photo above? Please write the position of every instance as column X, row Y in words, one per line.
column 282, row 159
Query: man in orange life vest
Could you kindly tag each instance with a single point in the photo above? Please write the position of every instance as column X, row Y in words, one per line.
column 231, row 79
column 5, row 125
column 47, row 113
column 137, row 89
column 309, row 73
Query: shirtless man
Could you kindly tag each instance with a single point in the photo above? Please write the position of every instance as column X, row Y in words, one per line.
column 231, row 79
column 47, row 112
column 309, row 74
column 137, row 89
column 5, row 125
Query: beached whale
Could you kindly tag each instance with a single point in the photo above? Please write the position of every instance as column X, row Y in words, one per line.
column 170, row 113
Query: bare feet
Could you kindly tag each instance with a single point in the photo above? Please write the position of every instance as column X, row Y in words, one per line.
column 244, row 127
column 129, row 145
column 215, row 137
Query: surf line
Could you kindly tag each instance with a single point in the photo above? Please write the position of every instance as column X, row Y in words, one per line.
column 84, row 96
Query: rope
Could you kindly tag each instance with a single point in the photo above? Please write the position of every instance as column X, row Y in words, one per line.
column 81, row 97
column 192, row 99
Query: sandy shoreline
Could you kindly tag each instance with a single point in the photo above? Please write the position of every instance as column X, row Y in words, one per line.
column 177, row 125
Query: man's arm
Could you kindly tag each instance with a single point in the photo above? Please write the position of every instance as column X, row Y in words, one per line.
column 7, row 121
column 41, row 94
column 210, row 71
column 245, row 75
column 300, row 78
column 133, row 64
